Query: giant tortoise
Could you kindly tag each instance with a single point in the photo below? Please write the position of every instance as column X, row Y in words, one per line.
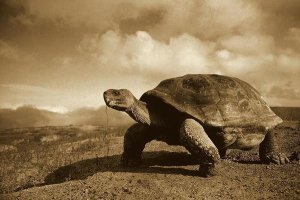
column 205, row 113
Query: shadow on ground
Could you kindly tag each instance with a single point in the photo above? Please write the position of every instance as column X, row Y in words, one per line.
column 159, row 162
column 154, row 162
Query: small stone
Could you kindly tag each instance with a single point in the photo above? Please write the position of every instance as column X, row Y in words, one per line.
column 125, row 189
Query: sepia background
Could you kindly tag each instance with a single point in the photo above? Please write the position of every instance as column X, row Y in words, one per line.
column 58, row 140
column 60, row 56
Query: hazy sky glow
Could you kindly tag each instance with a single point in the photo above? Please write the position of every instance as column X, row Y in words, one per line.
column 63, row 54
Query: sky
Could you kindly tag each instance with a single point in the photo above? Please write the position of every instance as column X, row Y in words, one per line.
column 63, row 54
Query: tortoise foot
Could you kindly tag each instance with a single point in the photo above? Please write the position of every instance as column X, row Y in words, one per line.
column 277, row 158
column 208, row 170
column 295, row 156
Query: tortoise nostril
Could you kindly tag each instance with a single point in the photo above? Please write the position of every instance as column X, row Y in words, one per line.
column 105, row 93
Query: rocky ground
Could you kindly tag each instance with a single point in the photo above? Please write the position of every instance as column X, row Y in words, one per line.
column 168, row 172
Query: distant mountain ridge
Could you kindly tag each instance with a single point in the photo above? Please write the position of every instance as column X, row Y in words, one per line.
column 287, row 113
column 30, row 116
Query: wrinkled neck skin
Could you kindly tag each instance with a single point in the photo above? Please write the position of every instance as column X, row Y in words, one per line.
column 139, row 112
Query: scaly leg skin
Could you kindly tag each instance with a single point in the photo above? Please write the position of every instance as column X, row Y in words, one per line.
column 268, row 151
column 135, row 139
column 222, row 153
column 195, row 140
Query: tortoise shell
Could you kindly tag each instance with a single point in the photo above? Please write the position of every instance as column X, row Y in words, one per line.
column 215, row 100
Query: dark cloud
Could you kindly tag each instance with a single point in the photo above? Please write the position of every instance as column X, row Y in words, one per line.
column 279, row 16
column 145, row 22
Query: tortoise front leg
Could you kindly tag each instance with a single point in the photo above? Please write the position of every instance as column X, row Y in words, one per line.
column 268, row 151
column 195, row 140
column 222, row 153
column 135, row 139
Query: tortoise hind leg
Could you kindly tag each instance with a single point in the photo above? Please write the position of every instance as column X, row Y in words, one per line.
column 196, row 141
column 268, row 151
column 135, row 139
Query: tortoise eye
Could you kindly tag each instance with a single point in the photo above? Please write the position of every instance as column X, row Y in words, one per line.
column 115, row 92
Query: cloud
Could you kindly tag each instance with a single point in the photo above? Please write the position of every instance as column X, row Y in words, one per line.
column 142, row 54
column 8, row 51
column 56, row 109
column 11, row 52
column 293, row 38
column 163, row 19
column 12, row 94
column 284, row 91
column 99, row 15
column 23, row 19
column 29, row 88
column 253, row 58
column 248, row 44
column 208, row 19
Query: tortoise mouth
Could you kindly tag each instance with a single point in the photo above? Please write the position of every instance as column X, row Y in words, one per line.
column 115, row 104
column 108, row 100
column 111, row 102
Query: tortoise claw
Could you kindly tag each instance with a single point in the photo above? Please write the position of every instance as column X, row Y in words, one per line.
column 277, row 158
column 208, row 170
column 295, row 156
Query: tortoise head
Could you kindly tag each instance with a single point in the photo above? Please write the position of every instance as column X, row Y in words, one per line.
column 121, row 99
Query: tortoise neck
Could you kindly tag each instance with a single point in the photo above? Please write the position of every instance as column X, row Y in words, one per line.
column 139, row 112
